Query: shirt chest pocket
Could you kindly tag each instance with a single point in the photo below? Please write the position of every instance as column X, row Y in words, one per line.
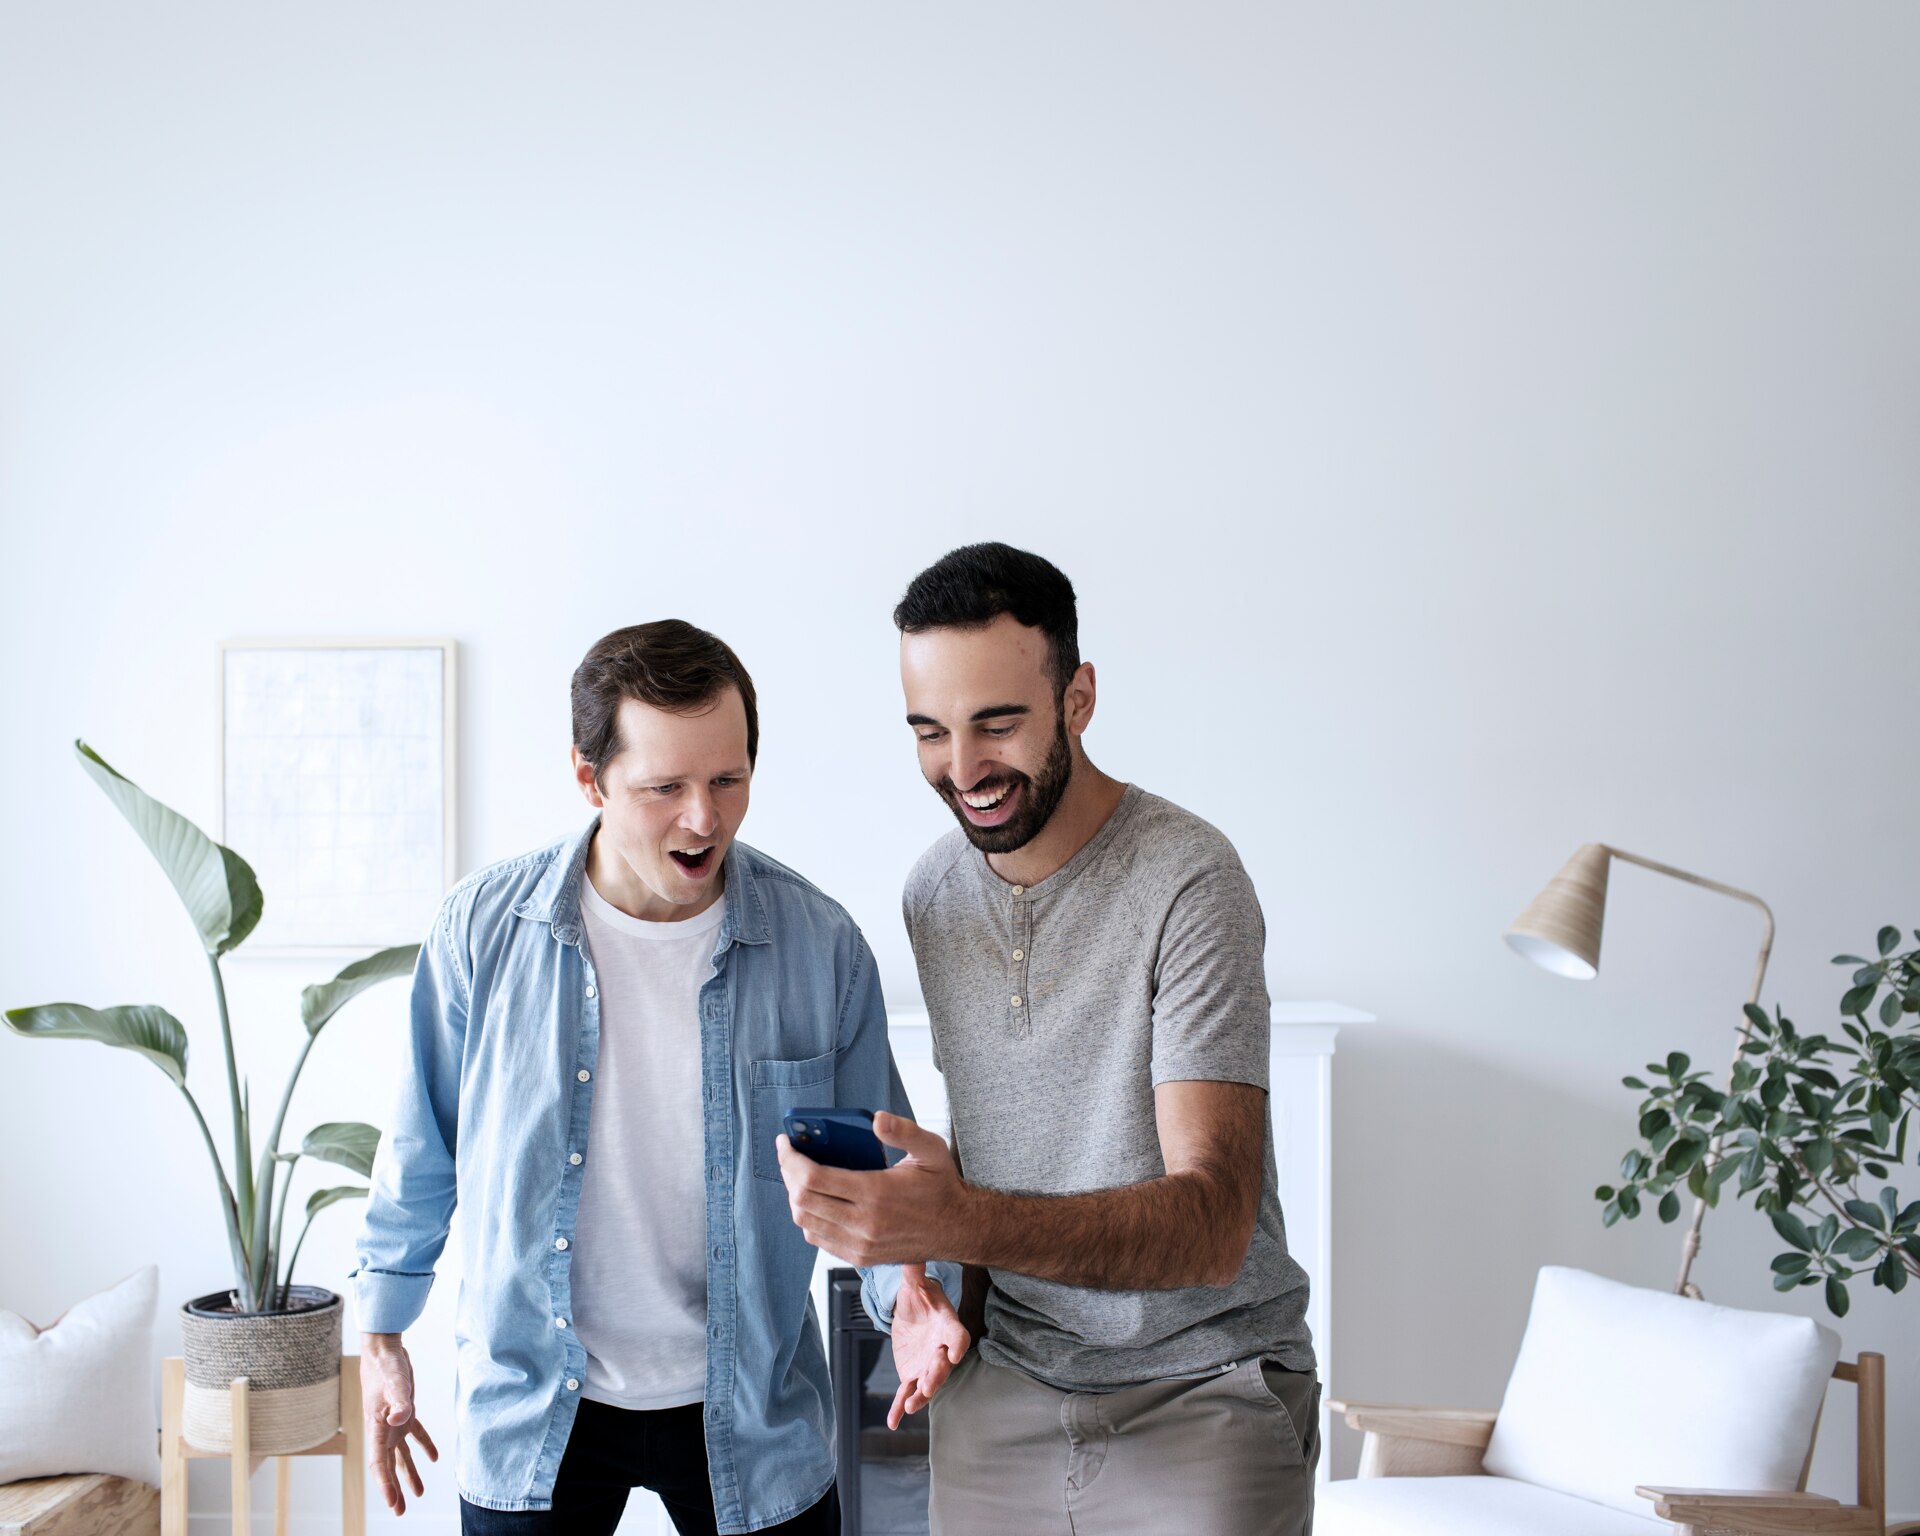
column 778, row 1086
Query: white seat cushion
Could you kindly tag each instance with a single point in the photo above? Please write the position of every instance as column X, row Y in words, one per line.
column 1617, row 1386
column 1467, row 1506
column 78, row 1396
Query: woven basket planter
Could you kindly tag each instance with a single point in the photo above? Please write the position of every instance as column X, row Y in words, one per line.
column 291, row 1361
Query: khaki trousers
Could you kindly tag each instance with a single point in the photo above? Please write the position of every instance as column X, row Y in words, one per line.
column 1231, row 1454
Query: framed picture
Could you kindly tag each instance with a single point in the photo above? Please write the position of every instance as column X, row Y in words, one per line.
column 337, row 772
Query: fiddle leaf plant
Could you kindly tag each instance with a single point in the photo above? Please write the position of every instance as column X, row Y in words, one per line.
column 223, row 898
column 1813, row 1128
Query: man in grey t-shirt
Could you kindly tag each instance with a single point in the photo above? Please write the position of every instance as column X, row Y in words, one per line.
column 1091, row 957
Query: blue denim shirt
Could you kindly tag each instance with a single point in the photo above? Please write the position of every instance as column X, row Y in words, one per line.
column 504, row 1035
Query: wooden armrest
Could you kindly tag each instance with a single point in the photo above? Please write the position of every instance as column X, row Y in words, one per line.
column 1446, row 1426
column 1419, row 1442
column 1762, row 1514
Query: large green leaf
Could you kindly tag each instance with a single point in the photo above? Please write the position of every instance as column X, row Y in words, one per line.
column 320, row 1199
column 321, row 1002
column 153, row 1032
column 349, row 1143
column 219, row 889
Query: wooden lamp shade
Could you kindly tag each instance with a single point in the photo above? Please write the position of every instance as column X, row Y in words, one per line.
column 1560, row 930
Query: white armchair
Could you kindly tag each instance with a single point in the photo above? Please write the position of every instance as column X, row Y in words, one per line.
column 1628, row 1412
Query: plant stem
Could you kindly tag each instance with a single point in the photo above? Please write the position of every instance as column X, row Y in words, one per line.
column 296, row 1253
column 242, row 1153
column 279, row 1216
column 269, row 1170
column 267, row 1252
column 227, row 1207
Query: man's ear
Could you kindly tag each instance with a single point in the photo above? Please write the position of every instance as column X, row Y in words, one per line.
column 1080, row 699
column 583, row 776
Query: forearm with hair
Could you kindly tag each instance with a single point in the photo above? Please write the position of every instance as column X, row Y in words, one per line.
column 1184, row 1229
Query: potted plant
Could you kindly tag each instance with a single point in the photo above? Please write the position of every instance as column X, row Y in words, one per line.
column 284, row 1338
column 1813, row 1128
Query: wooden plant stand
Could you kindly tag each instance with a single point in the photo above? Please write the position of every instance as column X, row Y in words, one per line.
column 175, row 1453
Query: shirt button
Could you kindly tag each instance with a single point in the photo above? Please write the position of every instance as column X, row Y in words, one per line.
column 1016, row 999
column 559, row 1322
column 573, row 1383
column 583, row 1074
column 1019, row 954
column 560, row 1243
column 592, row 992
column 1019, row 890
column 575, row 1159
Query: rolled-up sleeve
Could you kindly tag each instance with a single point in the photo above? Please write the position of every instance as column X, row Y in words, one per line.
column 413, row 1187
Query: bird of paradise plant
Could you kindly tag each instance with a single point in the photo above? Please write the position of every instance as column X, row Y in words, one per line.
column 223, row 898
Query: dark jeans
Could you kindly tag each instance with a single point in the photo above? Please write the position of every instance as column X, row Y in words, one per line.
column 615, row 1450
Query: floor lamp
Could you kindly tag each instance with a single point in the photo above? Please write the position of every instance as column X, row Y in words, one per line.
column 1560, row 932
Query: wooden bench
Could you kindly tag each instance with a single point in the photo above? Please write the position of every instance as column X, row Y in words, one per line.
column 87, row 1504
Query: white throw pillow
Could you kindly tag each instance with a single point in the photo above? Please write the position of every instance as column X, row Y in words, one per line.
column 78, row 1396
column 1617, row 1386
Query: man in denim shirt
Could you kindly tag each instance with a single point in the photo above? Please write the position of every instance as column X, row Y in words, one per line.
column 605, row 1035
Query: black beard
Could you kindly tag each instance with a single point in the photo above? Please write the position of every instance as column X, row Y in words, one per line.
column 1039, row 798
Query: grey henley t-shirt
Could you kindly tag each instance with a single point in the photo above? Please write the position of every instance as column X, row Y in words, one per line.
column 1056, row 1010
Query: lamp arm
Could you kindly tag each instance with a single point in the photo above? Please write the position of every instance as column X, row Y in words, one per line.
column 1766, row 913
column 1691, row 1246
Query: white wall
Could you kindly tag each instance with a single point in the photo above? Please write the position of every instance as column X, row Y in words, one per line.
column 1472, row 429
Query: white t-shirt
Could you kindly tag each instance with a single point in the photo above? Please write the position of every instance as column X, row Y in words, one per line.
column 639, row 1265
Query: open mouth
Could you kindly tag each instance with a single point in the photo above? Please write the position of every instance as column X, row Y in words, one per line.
column 695, row 861
column 989, row 805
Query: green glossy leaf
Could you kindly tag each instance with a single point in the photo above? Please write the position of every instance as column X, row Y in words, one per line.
column 1604, row 1192
column 1791, row 1264
column 1826, row 1232
column 1836, row 1296
column 219, row 890
column 321, row 1002
column 1895, row 1273
column 1634, row 1083
column 1858, row 999
column 349, row 1143
column 1793, row 1229
column 1889, row 941
column 1669, row 1206
column 1677, row 1064
column 140, row 1027
column 1890, row 1009
column 320, row 1199
column 1856, row 1244
column 1610, row 1214
column 1848, row 960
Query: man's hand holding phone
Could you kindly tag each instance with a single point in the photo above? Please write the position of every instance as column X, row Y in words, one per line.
column 898, row 1215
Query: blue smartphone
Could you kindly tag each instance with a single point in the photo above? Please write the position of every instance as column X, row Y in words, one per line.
column 837, row 1138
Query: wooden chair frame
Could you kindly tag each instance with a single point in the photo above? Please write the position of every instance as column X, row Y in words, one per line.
column 1449, row 1442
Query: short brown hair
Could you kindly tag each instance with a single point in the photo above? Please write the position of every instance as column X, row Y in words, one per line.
column 669, row 664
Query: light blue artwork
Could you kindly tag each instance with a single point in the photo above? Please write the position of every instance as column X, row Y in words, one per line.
column 337, row 789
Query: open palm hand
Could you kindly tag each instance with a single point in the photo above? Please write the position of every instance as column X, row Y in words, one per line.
column 928, row 1342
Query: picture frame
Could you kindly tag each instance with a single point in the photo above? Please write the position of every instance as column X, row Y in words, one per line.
column 338, row 773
